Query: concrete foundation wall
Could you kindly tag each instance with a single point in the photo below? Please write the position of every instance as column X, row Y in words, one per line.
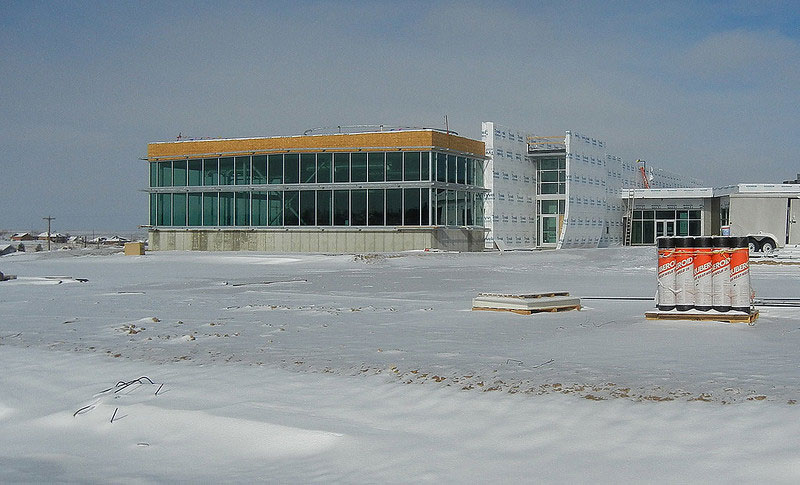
column 317, row 241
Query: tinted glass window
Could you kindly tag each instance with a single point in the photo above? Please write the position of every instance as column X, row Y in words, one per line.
column 424, row 207
column 291, row 208
column 164, row 174
column 358, row 207
column 226, row 209
column 376, row 167
column 441, row 167
column 178, row 209
column 164, row 209
column 195, row 172
column 341, row 207
column 210, row 171
column 275, row 208
column 195, row 209
column 210, row 209
column 461, row 170
column 275, row 169
column 324, row 168
column 341, row 167
column 308, row 168
column 179, row 174
column 394, row 166
column 242, row 170
column 259, row 212
column 260, row 169
column 324, row 208
column 411, row 169
column 451, row 169
column 358, row 167
column 411, row 207
column 375, row 205
column 308, row 211
column 242, row 208
column 291, row 169
column 227, row 175
column 394, row 207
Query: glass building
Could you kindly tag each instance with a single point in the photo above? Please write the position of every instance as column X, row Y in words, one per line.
column 388, row 190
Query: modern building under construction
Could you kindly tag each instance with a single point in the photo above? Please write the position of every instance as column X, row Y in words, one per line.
column 572, row 190
column 400, row 189
column 565, row 191
column 381, row 190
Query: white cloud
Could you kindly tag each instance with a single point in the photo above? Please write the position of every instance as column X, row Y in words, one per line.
column 741, row 57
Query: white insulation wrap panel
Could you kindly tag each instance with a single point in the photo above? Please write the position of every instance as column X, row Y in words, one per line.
column 511, row 205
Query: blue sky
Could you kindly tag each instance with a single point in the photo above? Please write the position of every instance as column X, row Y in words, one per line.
column 705, row 88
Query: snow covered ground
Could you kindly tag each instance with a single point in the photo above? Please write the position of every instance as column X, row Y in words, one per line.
column 300, row 368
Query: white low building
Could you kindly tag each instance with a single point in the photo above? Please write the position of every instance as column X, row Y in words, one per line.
column 767, row 212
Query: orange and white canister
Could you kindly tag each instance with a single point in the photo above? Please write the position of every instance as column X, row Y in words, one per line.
column 740, row 275
column 684, row 274
column 721, row 274
column 703, row 287
column 665, row 297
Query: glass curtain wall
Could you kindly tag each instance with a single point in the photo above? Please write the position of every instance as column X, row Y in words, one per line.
column 551, row 188
column 389, row 204
column 551, row 176
column 650, row 224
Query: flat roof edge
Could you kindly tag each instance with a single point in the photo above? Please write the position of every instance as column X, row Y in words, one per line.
column 310, row 135
column 790, row 190
column 366, row 141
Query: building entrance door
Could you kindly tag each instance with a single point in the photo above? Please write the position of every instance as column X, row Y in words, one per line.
column 794, row 221
column 665, row 228
column 548, row 231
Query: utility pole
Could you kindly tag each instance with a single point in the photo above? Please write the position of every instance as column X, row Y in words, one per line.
column 48, row 219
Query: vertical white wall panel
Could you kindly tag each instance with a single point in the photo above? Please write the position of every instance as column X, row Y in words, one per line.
column 596, row 179
column 511, row 177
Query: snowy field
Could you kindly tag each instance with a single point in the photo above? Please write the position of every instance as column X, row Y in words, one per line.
column 314, row 368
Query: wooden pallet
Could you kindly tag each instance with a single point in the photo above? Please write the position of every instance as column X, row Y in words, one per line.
column 529, row 295
column 528, row 312
column 708, row 317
